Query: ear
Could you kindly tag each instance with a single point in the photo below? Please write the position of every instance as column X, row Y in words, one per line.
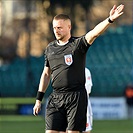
column 69, row 27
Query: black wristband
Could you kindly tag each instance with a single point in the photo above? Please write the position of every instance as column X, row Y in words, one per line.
column 110, row 21
column 40, row 95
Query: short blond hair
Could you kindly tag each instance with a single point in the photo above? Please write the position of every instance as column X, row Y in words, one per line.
column 62, row 16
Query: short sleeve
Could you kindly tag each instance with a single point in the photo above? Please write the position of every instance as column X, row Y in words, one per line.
column 85, row 41
column 83, row 45
column 46, row 59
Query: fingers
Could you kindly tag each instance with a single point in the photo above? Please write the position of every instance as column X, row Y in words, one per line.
column 120, row 14
column 114, row 7
column 120, row 8
column 37, row 107
column 36, row 110
column 113, row 10
column 116, row 11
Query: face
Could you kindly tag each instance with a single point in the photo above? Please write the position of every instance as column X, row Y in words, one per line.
column 61, row 29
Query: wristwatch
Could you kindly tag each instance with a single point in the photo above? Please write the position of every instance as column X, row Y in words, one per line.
column 110, row 21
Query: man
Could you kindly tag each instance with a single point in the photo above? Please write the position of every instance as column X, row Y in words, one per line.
column 65, row 64
column 129, row 100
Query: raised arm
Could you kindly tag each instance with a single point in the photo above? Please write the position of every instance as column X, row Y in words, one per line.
column 44, row 82
column 115, row 12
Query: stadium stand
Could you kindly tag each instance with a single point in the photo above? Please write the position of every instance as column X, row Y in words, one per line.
column 109, row 59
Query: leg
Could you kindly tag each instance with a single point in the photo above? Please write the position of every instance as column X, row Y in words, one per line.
column 69, row 131
column 87, row 132
column 62, row 132
column 55, row 119
column 51, row 131
column 89, row 118
column 74, row 132
column 76, row 111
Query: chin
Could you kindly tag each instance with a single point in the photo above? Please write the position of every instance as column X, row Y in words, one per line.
column 59, row 38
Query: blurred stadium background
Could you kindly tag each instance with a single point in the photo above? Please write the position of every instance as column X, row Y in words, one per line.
column 25, row 31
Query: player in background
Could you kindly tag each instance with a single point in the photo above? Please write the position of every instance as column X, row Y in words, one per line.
column 88, row 86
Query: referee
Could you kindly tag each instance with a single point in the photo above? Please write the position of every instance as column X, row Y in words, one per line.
column 65, row 66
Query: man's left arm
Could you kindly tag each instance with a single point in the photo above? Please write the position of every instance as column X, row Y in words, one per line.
column 101, row 27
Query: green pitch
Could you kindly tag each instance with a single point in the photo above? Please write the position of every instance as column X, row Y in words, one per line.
column 32, row 124
column 21, row 124
column 113, row 126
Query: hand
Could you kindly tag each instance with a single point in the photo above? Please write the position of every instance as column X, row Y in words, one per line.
column 37, row 107
column 116, row 12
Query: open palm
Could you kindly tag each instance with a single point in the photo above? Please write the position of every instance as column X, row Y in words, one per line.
column 116, row 12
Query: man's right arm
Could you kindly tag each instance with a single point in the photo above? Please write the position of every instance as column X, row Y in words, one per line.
column 45, row 78
column 44, row 82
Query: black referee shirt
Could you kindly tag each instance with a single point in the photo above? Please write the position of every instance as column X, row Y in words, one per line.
column 67, row 63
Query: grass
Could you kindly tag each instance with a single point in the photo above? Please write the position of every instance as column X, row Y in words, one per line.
column 21, row 124
column 32, row 124
column 113, row 126
column 19, row 100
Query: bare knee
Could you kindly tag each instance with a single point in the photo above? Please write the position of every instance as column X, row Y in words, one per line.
column 62, row 132
column 69, row 131
column 52, row 131
column 87, row 132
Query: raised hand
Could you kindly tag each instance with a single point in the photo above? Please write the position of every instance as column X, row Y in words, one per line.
column 116, row 12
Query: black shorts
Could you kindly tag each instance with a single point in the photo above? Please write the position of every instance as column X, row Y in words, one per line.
column 67, row 111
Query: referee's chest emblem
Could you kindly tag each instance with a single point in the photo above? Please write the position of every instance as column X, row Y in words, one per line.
column 68, row 59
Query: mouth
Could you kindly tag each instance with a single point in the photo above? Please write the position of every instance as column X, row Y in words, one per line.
column 57, row 34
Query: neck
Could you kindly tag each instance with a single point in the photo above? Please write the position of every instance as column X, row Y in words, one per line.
column 62, row 44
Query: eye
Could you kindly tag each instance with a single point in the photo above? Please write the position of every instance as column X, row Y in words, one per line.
column 59, row 28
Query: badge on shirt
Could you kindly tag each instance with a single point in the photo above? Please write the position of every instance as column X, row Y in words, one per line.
column 68, row 59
